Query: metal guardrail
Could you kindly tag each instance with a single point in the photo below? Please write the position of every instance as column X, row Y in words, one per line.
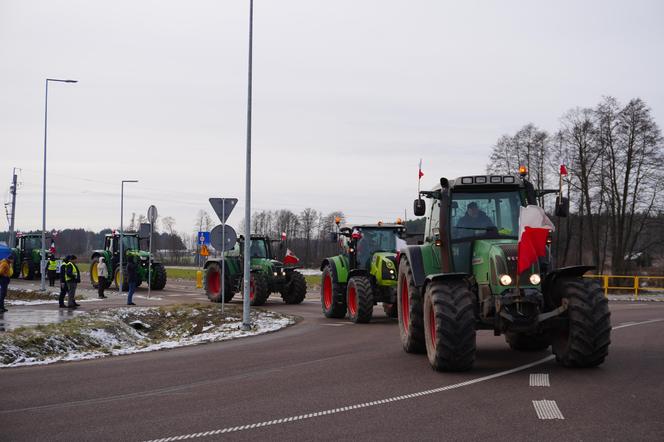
column 635, row 286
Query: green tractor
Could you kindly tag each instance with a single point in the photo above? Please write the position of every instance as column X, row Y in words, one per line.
column 464, row 278
column 364, row 274
column 27, row 255
column 268, row 275
column 130, row 248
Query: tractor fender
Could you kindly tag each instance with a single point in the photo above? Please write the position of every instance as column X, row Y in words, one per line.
column 207, row 264
column 563, row 272
column 444, row 277
column 413, row 254
column 339, row 270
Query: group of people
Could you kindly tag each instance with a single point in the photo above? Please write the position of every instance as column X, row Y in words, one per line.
column 132, row 278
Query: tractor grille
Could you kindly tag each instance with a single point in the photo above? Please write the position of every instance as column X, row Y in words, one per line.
column 511, row 252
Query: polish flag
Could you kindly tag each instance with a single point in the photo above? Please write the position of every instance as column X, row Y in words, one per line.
column 563, row 170
column 290, row 257
column 420, row 173
column 534, row 228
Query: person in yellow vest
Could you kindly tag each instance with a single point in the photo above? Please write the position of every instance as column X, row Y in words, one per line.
column 72, row 277
column 6, row 271
column 52, row 269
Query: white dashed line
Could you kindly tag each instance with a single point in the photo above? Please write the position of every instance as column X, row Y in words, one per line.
column 547, row 410
column 539, row 380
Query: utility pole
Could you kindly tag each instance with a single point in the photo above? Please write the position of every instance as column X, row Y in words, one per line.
column 10, row 237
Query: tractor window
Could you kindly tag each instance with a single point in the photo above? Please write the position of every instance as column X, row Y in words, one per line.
column 31, row 242
column 494, row 214
column 434, row 220
column 372, row 241
column 258, row 248
column 130, row 243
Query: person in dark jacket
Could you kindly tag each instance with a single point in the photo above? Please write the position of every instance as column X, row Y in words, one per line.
column 73, row 277
column 475, row 218
column 63, row 281
column 132, row 279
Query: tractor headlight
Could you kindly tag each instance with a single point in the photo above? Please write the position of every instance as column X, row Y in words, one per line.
column 275, row 273
column 535, row 279
column 392, row 271
column 505, row 280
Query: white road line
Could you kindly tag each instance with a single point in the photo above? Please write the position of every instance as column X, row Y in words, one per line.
column 547, row 410
column 539, row 380
column 384, row 401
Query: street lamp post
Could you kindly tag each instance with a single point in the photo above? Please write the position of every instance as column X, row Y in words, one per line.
column 42, row 267
column 121, row 269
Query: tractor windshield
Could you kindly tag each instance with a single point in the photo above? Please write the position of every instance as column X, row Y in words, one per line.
column 31, row 242
column 258, row 248
column 493, row 214
column 130, row 243
column 372, row 241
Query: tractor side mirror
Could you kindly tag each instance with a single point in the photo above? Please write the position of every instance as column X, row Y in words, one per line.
column 562, row 206
column 419, row 207
column 334, row 237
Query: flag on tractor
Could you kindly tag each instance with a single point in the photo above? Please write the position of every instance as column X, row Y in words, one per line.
column 290, row 257
column 420, row 174
column 563, row 170
column 534, row 228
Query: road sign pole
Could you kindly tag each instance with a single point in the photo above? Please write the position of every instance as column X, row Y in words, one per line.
column 223, row 260
column 150, row 262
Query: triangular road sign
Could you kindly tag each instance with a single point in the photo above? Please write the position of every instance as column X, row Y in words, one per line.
column 223, row 207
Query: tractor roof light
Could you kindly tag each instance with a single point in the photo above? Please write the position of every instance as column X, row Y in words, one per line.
column 523, row 171
column 337, row 220
column 535, row 279
column 505, row 280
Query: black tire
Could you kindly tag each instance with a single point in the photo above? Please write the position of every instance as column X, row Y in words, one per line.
column 116, row 279
column 409, row 311
column 94, row 278
column 212, row 284
column 449, row 325
column 585, row 342
column 28, row 270
column 295, row 290
column 390, row 310
column 331, row 297
column 359, row 299
column 17, row 267
column 524, row 342
column 259, row 290
column 158, row 276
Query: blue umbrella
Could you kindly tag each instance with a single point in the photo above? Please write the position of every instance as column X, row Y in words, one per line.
column 4, row 251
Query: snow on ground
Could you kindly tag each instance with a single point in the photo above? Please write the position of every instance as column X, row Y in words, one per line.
column 310, row 271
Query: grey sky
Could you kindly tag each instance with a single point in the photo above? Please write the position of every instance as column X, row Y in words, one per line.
column 348, row 95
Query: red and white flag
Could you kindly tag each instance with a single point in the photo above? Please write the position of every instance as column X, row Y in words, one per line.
column 290, row 257
column 420, row 174
column 534, row 228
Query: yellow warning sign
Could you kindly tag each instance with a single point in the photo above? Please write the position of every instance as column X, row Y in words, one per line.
column 204, row 250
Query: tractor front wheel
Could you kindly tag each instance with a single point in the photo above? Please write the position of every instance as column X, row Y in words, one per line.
column 585, row 342
column 116, row 279
column 94, row 276
column 359, row 299
column 212, row 284
column 158, row 276
column 28, row 270
column 449, row 325
column 409, row 311
column 331, row 297
column 295, row 290
column 390, row 310
column 258, row 289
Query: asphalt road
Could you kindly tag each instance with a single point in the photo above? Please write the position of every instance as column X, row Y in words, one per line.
column 328, row 379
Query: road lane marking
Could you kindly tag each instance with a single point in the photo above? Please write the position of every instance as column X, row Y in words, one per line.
column 539, row 380
column 381, row 401
column 547, row 410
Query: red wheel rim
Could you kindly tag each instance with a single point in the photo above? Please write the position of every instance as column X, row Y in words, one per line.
column 251, row 289
column 327, row 292
column 432, row 325
column 405, row 306
column 352, row 300
column 213, row 282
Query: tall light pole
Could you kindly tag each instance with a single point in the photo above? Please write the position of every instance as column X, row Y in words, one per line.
column 121, row 269
column 246, row 321
column 42, row 267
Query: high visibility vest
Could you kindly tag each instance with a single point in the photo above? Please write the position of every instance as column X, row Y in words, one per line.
column 74, row 276
column 52, row 264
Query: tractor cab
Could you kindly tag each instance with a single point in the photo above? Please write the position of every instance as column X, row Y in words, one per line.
column 359, row 243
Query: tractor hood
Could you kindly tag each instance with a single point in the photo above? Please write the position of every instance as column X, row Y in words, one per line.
column 493, row 258
column 143, row 256
column 384, row 267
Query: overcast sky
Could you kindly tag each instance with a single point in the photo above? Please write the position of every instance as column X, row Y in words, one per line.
column 348, row 96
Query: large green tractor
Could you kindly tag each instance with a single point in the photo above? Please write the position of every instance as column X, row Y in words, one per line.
column 364, row 274
column 464, row 278
column 268, row 275
column 130, row 248
column 27, row 255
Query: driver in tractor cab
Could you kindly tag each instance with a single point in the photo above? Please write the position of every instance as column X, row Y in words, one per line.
column 255, row 250
column 475, row 218
column 365, row 246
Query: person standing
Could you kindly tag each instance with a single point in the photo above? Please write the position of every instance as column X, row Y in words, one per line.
column 52, row 269
column 6, row 271
column 132, row 279
column 73, row 277
column 102, row 276
column 63, row 281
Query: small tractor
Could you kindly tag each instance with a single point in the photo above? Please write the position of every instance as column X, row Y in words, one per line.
column 364, row 274
column 130, row 248
column 27, row 255
column 268, row 275
column 464, row 278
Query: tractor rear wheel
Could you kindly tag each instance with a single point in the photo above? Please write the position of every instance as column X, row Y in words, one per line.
column 116, row 279
column 258, row 289
column 359, row 299
column 94, row 276
column 409, row 311
column 449, row 325
column 28, row 270
column 525, row 342
column 295, row 290
column 212, row 284
column 331, row 297
column 390, row 310
column 158, row 276
column 585, row 342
